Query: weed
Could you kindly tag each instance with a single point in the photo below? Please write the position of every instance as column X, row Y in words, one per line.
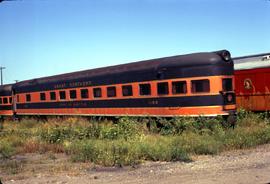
column 35, row 146
column 130, row 141
column 6, row 150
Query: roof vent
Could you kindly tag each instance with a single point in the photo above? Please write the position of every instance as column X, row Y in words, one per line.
column 267, row 57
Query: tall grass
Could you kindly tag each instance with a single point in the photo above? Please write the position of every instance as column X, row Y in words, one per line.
column 6, row 149
column 130, row 141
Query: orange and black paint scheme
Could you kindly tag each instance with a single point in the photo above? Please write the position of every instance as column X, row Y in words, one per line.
column 200, row 84
column 6, row 108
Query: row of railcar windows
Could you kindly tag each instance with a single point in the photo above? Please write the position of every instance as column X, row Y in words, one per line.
column 6, row 100
column 178, row 87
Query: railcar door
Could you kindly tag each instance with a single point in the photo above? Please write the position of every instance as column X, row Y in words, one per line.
column 14, row 102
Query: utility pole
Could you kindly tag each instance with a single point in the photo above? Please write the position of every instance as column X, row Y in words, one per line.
column 1, row 69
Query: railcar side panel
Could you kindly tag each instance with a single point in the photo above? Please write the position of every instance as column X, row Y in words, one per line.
column 170, row 104
column 164, row 112
column 252, row 91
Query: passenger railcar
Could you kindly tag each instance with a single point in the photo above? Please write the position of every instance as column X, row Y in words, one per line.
column 6, row 100
column 188, row 85
column 252, row 81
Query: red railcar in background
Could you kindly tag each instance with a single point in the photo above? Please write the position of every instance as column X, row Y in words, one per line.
column 252, row 82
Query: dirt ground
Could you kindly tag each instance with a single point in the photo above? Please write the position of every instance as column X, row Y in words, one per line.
column 242, row 166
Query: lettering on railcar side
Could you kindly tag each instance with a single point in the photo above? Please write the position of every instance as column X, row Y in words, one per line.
column 153, row 102
column 80, row 84
column 72, row 104
column 73, row 85
column 59, row 86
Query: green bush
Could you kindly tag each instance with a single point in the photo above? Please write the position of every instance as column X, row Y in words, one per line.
column 246, row 137
column 179, row 125
column 165, row 148
column 182, row 124
column 121, row 152
column 6, row 150
column 56, row 134
column 126, row 128
column 198, row 144
column 107, row 152
column 155, row 148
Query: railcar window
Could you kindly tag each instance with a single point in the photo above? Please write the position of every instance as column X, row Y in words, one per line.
column 28, row 98
column 62, row 95
column 73, row 94
column 227, row 84
column 199, row 86
column 145, row 89
column 18, row 98
column 84, row 93
column 111, row 91
column 52, row 95
column 5, row 100
column 163, row 88
column 10, row 100
column 127, row 90
column 97, row 92
column 1, row 100
column 42, row 96
column 179, row 87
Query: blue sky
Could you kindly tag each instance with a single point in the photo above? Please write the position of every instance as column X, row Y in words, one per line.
column 47, row 37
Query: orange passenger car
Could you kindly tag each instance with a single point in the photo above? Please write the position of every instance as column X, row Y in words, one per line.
column 6, row 100
column 199, row 84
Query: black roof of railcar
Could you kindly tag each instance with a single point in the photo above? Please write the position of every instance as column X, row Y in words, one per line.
column 252, row 61
column 195, row 59
column 5, row 90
